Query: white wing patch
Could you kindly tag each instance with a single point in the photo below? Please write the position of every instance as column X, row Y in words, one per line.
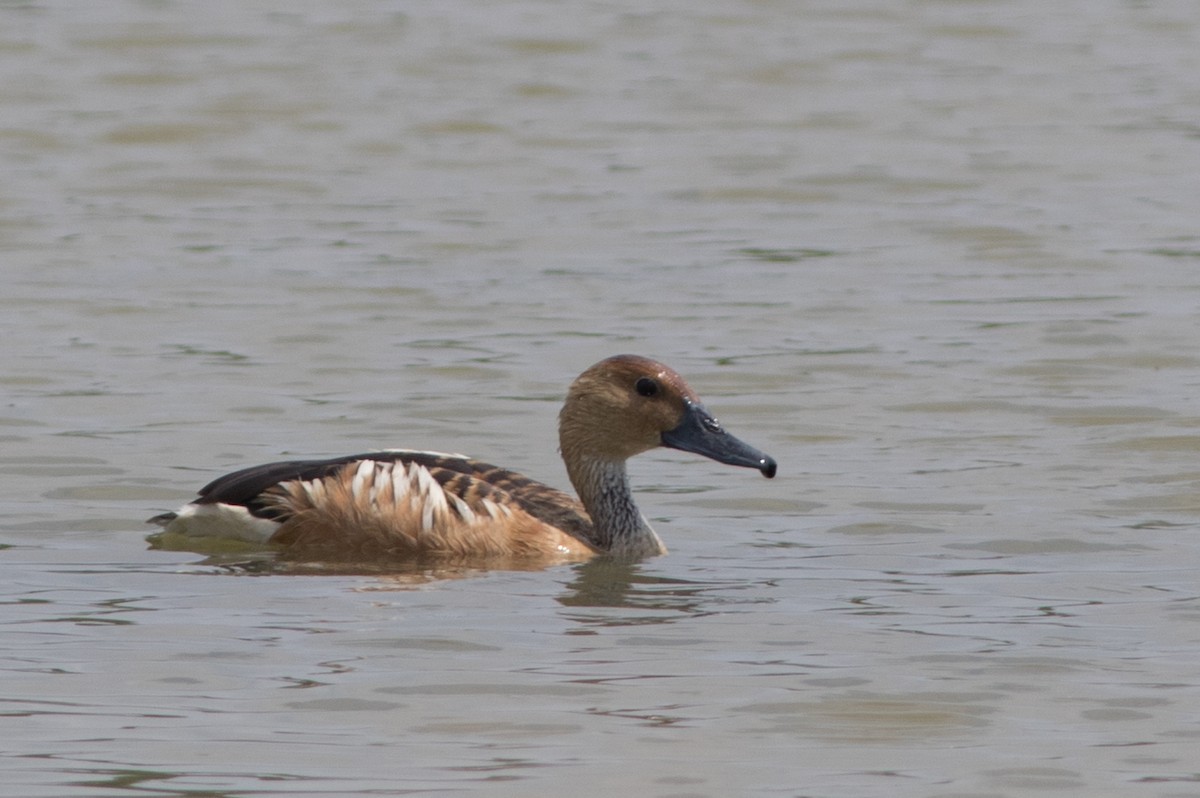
column 421, row 453
column 413, row 487
column 496, row 511
column 227, row 521
column 462, row 508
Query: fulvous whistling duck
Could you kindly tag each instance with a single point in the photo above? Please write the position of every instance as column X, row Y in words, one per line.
column 429, row 505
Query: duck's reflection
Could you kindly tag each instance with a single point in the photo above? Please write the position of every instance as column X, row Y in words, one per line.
column 602, row 584
column 652, row 598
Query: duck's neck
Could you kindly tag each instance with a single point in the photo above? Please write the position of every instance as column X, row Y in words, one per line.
column 618, row 527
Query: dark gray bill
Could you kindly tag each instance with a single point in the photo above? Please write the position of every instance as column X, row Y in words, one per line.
column 700, row 433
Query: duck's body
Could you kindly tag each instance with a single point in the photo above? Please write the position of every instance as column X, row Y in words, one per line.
column 394, row 504
column 405, row 504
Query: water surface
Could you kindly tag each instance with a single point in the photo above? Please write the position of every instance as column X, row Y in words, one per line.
column 938, row 258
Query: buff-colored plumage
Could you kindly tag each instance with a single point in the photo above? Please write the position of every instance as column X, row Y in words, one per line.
column 400, row 511
column 413, row 505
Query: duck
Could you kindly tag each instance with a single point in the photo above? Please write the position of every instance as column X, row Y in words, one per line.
column 433, row 506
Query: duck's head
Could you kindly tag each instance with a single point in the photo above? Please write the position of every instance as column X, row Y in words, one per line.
column 626, row 405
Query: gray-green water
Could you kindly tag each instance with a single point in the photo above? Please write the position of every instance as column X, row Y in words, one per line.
column 939, row 258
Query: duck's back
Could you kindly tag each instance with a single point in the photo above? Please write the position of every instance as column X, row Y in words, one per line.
column 395, row 503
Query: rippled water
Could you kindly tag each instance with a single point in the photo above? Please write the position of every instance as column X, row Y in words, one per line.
column 938, row 258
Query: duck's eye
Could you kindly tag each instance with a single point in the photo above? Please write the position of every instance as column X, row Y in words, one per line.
column 646, row 387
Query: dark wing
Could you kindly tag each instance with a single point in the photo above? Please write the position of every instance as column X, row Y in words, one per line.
column 456, row 474
column 245, row 487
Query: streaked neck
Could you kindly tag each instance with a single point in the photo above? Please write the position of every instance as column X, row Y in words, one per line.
column 618, row 527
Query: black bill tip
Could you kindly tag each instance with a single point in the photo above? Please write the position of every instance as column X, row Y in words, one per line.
column 767, row 467
column 698, row 432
